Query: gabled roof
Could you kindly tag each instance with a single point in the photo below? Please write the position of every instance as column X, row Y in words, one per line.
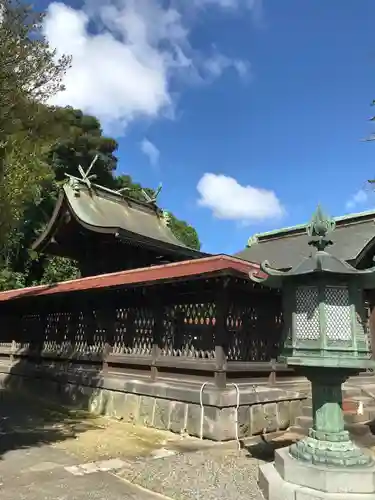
column 102, row 210
column 353, row 238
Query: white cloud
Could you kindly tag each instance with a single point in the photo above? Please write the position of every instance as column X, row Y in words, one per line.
column 231, row 201
column 128, row 68
column 151, row 151
column 361, row 197
column 231, row 4
column 215, row 66
column 255, row 7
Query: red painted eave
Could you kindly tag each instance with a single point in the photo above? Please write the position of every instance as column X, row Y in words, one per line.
column 178, row 270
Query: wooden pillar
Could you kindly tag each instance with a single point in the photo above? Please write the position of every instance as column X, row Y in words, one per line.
column 157, row 336
column 13, row 322
column 41, row 334
column 272, row 375
column 370, row 299
column 179, row 330
column 130, row 334
column 90, row 323
column 107, row 317
column 221, row 334
column 60, row 322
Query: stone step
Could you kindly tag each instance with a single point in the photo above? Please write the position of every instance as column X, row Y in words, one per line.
column 358, row 429
column 367, row 414
column 306, row 411
column 353, row 392
column 304, row 422
column 369, row 392
column 348, row 392
column 358, row 423
column 366, row 400
column 296, row 429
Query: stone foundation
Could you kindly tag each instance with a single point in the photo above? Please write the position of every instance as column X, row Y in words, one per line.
column 268, row 412
column 291, row 479
column 167, row 405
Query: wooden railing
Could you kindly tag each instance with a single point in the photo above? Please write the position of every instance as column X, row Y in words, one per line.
column 204, row 324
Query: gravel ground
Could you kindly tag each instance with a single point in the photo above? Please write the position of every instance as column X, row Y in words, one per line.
column 27, row 422
column 107, row 438
column 210, row 475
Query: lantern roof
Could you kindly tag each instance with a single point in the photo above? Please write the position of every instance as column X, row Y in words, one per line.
column 319, row 261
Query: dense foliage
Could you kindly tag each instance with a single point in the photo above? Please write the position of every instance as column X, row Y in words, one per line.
column 39, row 145
column 81, row 142
column 29, row 75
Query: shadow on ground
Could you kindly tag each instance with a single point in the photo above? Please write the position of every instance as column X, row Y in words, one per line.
column 265, row 450
column 371, row 426
column 41, row 408
column 27, row 421
column 43, row 398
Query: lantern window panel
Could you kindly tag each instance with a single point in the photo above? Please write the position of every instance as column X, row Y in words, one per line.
column 307, row 323
column 338, row 316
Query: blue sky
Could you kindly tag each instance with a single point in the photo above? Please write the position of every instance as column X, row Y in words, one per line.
column 248, row 112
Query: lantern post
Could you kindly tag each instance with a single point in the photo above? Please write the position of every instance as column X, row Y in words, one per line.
column 325, row 340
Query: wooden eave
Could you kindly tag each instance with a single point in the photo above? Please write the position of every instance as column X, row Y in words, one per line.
column 47, row 235
column 190, row 269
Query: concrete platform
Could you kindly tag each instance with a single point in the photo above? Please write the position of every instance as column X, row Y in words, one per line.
column 290, row 479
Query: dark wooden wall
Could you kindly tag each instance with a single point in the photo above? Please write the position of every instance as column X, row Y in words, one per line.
column 221, row 327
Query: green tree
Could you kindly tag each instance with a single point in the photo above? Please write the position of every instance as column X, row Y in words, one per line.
column 81, row 140
column 185, row 233
column 58, row 269
column 181, row 229
column 29, row 75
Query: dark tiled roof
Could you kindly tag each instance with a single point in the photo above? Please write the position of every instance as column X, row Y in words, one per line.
column 284, row 248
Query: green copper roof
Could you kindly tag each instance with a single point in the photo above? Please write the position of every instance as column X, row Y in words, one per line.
column 102, row 210
column 320, row 232
column 284, row 248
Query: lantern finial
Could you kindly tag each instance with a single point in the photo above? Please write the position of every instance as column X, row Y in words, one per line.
column 319, row 228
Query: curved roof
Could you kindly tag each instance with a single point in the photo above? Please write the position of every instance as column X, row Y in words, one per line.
column 353, row 238
column 105, row 211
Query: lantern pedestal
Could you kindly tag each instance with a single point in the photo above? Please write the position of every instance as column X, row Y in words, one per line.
column 326, row 464
column 328, row 443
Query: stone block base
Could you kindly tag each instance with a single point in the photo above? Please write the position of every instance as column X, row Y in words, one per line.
column 166, row 405
column 290, row 479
